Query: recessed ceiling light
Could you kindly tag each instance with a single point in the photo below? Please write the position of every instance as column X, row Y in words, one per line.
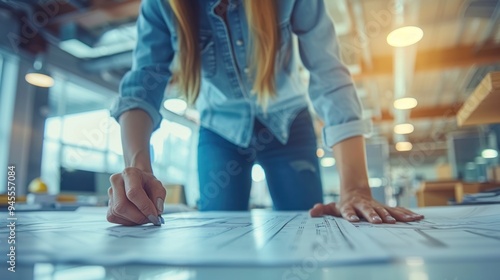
column 405, row 36
column 38, row 75
column 404, row 128
column 405, row 103
column 39, row 79
column 404, row 146
column 489, row 153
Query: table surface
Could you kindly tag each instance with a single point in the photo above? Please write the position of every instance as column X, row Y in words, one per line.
column 471, row 263
column 484, row 269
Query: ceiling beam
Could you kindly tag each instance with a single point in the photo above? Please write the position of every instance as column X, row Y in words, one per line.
column 442, row 112
column 102, row 13
column 458, row 57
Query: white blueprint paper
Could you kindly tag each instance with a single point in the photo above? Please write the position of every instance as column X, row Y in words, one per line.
column 469, row 232
column 259, row 238
column 255, row 238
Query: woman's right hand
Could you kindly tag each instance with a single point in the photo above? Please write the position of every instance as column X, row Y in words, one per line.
column 135, row 197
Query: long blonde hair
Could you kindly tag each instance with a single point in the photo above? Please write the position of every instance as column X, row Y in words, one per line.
column 262, row 16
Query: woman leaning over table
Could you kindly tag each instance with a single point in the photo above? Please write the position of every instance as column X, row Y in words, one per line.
column 234, row 59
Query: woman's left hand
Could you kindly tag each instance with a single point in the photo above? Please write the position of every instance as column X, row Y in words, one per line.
column 358, row 204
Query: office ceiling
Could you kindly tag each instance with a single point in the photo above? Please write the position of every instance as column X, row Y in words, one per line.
column 461, row 44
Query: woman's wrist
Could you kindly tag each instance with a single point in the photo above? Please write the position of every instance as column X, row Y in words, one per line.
column 140, row 161
column 143, row 168
column 136, row 129
column 355, row 187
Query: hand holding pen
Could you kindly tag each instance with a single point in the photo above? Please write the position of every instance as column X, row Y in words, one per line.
column 135, row 197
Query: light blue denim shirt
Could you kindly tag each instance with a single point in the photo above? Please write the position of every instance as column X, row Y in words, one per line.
column 226, row 103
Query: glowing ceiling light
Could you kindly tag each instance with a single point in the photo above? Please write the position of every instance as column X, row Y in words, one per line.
column 39, row 79
column 327, row 162
column 405, row 36
column 38, row 75
column 404, row 128
column 177, row 106
column 404, row 146
column 405, row 103
column 489, row 153
column 320, row 153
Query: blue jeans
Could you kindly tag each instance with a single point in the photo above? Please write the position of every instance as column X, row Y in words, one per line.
column 292, row 170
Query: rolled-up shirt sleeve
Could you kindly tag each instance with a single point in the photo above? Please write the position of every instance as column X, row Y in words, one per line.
column 331, row 89
column 144, row 85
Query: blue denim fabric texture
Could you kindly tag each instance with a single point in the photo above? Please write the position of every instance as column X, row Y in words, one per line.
column 292, row 169
column 227, row 104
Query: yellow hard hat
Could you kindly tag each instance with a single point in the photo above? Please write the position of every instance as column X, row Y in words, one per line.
column 38, row 186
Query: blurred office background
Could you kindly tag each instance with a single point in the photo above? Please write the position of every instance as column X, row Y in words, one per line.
column 64, row 135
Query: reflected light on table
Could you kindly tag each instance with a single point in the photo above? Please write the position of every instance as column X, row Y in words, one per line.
column 82, row 272
column 416, row 269
column 418, row 275
column 259, row 234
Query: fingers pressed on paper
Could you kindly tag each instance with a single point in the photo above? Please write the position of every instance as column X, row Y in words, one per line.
column 385, row 215
column 331, row 209
column 400, row 215
column 419, row 216
column 317, row 210
column 369, row 214
column 349, row 214
column 410, row 215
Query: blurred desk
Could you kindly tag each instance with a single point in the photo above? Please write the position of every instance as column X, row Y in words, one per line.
column 440, row 193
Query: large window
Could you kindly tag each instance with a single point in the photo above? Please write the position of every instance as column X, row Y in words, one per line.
column 79, row 132
column 171, row 151
column 81, row 135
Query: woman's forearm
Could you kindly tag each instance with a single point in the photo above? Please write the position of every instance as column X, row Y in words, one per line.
column 351, row 164
column 136, row 129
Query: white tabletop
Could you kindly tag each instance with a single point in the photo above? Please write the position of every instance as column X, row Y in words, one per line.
column 451, row 243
